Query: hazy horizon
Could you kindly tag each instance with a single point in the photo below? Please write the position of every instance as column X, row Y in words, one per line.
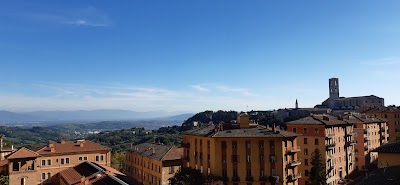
column 191, row 56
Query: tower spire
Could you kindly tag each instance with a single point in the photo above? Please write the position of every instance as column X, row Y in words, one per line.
column 297, row 104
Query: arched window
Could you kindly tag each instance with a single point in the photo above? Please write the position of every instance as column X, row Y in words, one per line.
column 23, row 181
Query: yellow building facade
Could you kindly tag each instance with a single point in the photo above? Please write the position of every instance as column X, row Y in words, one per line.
column 243, row 153
column 152, row 164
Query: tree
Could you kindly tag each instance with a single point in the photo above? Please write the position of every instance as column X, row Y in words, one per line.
column 317, row 175
column 187, row 176
column 4, row 180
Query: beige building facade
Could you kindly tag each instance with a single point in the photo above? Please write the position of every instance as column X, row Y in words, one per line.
column 152, row 164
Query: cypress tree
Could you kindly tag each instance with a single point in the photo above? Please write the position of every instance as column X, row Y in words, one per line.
column 317, row 175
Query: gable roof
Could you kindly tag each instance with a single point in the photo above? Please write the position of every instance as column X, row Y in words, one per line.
column 22, row 153
column 79, row 146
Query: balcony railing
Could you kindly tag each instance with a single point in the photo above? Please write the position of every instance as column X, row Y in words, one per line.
column 330, row 146
column 293, row 177
column 384, row 128
column 249, row 178
column 329, row 156
column 330, row 135
column 235, row 179
column 294, row 163
column 367, row 130
column 386, row 135
column 350, row 133
column 293, row 149
column 263, row 178
column 330, row 168
column 367, row 138
column 351, row 142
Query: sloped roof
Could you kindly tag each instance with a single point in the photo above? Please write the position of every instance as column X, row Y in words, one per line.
column 79, row 146
column 157, row 151
column 22, row 153
column 86, row 169
column 319, row 119
column 389, row 148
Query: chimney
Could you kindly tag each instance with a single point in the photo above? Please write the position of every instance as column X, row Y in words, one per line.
column 62, row 142
column 274, row 128
column 12, row 147
column 51, row 146
column 81, row 144
column 154, row 150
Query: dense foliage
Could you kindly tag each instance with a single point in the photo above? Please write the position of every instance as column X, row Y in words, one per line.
column 317, row 174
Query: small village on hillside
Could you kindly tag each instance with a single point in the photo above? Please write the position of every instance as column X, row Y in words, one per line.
column 343, row 140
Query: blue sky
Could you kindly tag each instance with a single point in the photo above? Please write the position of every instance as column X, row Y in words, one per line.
column 188, row 56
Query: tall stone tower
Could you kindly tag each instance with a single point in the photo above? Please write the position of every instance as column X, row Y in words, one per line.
column 333, row 88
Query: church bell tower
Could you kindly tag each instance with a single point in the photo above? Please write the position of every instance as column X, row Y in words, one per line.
column 334, row 88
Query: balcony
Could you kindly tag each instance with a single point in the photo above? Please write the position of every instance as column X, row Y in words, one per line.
column 330, row 146
column 367, row 138
column 263, row 178
column 350, row 133
column 294, row 177
column 329, row 157
column 351, row 142
column 330, row 168
column 329, row 135
column 384, row 128
column 249, row 179
column 294, row 163
column 367, row 130
column 293, row 149
column 386, row 135
column 235, row 179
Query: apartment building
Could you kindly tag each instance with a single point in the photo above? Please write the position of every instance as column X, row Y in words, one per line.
column 152, row 164
column 244, row 153
column 392, row 115
column 370, row 133
column 335, row 140
column 29, row 167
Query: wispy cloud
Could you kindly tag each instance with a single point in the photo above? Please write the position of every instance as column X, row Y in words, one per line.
column 200, row 88
column 51, row 96
column 89, row 16
column 382, row 61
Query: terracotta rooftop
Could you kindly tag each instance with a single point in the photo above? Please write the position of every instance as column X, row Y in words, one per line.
column 93, row 174
column 79, row 146
column 329, row 120
column 157, row 151
column 382, row 109
column 22, row 153
column 389, row 148
column 258, row 131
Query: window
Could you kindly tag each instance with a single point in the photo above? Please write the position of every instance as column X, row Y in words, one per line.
column 316, row 141
column 223, row 144
column 305, row 130
column 67, row 160
column 261, row 172
column 48, row 175
column 305, row 140
column 224, row 173
column 102, row 158
column 235, row 172
column 307, row 172
column 43, row 176
column 43, row 162
column 261, row 144
column 224, row 159
column 171, row 169
column 80, row 158
column 85, row 158
column 305, row 151
column 248, row 158
column 97, row 158
column 22, row 181
column 272, row 144
column 306, row 162
column 248, row 145
column 294, row 130
column 248, row 173
column 261, row 158
column 315, row 130
column 234, row 158
column 49, row 162
column 62, row 161
column 234, row 144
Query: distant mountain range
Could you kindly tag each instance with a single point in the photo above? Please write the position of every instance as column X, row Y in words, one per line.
column 101, row 114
